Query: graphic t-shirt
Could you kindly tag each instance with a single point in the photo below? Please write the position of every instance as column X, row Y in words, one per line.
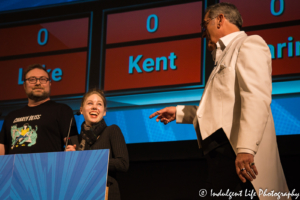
column 37, row 129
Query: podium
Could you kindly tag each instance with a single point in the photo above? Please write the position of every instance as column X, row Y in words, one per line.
column 56, row 175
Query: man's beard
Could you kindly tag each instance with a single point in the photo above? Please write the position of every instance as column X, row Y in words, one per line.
column 39, row 97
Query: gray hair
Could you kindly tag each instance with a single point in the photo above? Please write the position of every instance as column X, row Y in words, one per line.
column 229, row 10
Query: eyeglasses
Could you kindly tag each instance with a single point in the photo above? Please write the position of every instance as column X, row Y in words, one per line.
column 33, row 79
column 204, row 25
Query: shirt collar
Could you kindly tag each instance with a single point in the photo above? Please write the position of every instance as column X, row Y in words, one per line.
column 224, row 41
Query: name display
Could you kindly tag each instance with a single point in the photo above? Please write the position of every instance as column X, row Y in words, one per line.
column 60, row 46
column 277, row 22
column 257, row 12
column 64, row 79
column 284, row 44
column 135, row 59
column 150, row 65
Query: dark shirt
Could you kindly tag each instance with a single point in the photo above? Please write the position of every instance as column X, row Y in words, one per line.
column 37, row 129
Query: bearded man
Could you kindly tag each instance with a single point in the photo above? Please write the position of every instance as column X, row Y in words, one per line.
column 51, row 119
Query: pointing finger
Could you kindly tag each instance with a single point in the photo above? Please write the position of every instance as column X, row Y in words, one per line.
column 154, row 114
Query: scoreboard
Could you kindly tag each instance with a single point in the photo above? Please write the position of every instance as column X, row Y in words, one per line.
column 277, row 22
column 142, row 49
column 154, row 47
column 61, row 46
column 263, row 12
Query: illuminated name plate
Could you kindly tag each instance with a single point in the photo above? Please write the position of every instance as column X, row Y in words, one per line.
column 67, row 74
column 44, row 37
column 152, row 65
column 153, row 23
column 158, row 48
column 284, row 44
column 258, row 12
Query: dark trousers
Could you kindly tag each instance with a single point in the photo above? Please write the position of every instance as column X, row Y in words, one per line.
column 222, row 176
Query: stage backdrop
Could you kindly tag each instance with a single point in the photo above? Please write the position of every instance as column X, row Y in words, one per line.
column 143, row 55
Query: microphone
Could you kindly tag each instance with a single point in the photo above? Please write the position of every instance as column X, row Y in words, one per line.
column 68, row 138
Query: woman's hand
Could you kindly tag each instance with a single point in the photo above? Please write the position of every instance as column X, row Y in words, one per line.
column 71, row 147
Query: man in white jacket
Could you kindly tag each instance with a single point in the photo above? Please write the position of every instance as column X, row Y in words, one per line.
column 233, row 121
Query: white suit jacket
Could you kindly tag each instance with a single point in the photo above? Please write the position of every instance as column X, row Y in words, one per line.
column 237, row 98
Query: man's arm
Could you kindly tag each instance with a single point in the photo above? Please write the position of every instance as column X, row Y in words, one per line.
column 255, row 84
column 2, row 150
column 182, row 114
column 185, row 114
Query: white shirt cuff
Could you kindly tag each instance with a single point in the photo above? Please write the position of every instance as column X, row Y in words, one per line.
column 241, row 150
column 179, row 113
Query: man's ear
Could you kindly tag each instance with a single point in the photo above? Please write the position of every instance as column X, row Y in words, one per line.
column 221, row 20
column 80, row 110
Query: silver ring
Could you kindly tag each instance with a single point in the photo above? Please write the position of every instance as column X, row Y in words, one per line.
column 251, row 164
column 243, row 169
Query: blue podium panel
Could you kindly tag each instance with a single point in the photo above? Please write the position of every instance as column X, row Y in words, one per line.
column 6, row 171
column 59, row 175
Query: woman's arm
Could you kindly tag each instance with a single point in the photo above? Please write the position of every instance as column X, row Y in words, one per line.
column 119, row 160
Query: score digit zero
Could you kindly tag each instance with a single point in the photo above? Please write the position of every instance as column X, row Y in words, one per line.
column 148, row 64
